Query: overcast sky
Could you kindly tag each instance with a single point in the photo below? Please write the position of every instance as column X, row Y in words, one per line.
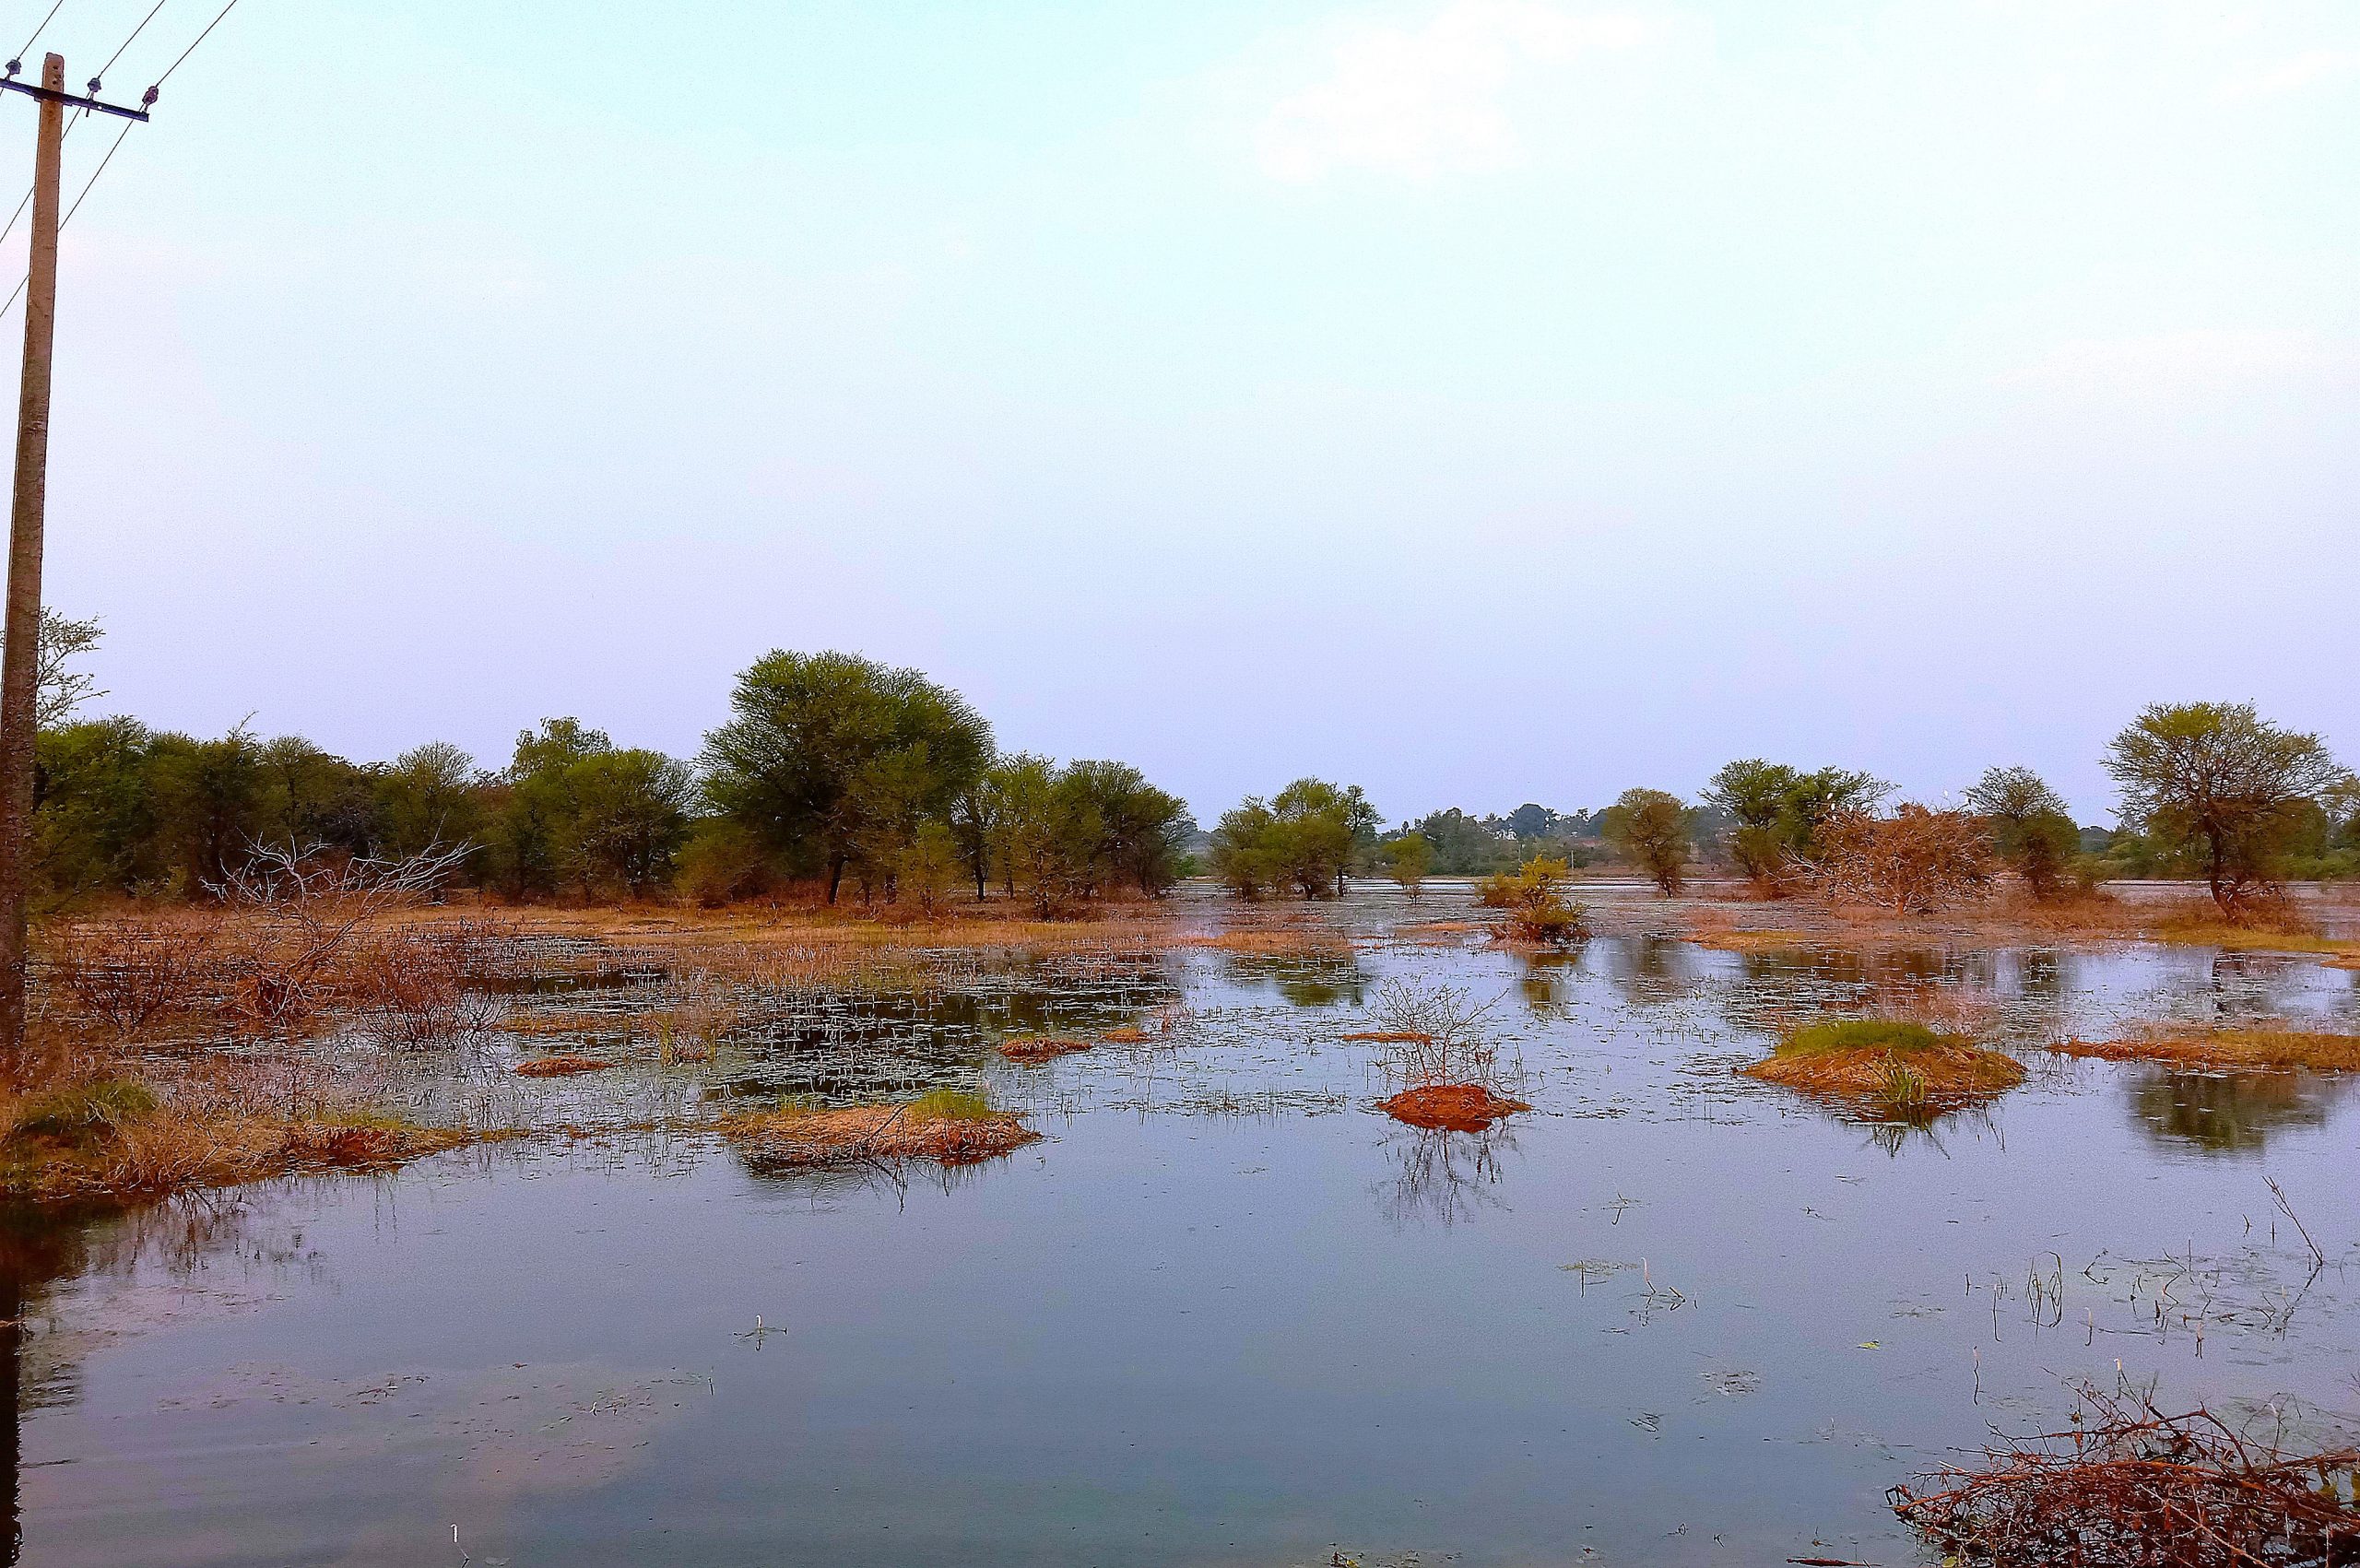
column 1482, row 400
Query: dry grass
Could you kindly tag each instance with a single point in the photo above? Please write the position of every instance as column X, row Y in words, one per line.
column 1454, row 1107
column 2279, row 1049
column 1388, row 1037
column 1888, row 1069
column 1129, row 1034
column 1266, row 941
column 560, row 1065
column 1043, row 1048
column 946, row 1127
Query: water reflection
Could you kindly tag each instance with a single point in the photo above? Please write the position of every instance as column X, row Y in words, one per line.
column 1443, row 1177
column 1304, row 982
column 1648, row 969
column 2228, row 1113
column 1548, row 981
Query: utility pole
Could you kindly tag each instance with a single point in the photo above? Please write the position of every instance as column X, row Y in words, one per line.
column 20, row 649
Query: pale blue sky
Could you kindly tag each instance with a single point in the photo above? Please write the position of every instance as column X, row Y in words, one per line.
column 1481, row 400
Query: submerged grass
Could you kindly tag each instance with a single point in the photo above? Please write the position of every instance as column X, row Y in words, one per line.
column 1887, row 1070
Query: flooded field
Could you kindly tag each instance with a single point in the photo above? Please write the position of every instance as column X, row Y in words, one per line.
column 1226, row 1312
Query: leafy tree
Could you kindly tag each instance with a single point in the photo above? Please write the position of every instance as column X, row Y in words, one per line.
column 94, row 821
column 630, row 818
column 59, row 689
column 1140, row 832
column 1650, row 827
column 1778, row 812
column 1405, row 860
column 929, row 865
column 1246, row 854
column 312, row 796
column 205, row 797
column 2223, row 782
column 430, row 794
column 830, row 757
column 2031, row 829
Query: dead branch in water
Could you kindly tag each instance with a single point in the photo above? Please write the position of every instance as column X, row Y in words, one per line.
column 2130, row 1487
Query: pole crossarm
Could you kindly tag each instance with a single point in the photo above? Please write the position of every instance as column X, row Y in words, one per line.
column 71, row 100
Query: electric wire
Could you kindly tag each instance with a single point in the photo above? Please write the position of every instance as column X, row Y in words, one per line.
column 27, row 49
column 124, row 45
column 121, row 136
column 192, row 48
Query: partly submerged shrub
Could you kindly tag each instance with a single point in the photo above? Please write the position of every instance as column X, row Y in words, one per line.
column 1537, row 907
column 1887, row 1070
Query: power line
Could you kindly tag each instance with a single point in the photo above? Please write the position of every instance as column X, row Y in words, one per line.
column 70, row 211
column 124, row 45
column 18, row 64
column 189, row 50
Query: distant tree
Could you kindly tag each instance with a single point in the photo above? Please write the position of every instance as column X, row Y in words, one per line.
column 1531, row 821
column 721, row 860
column 1755, row 793
column 95, row 822
column 205, row 797
column 2222, row 781
column 827, row 756
column 1405, row 860
column 1306, row 839
column 2032, row 831
column 1465, row 845
column 312, row 796
column 1650, row 827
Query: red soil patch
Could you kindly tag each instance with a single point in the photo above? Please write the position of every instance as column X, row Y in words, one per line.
column 1943, row 1077
column 876, row 1132
column 560, row 1066
column 1126, row 1036
column 1041, row 1047
column 1456, row 1107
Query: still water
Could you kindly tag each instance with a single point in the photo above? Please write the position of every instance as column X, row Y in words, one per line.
column 1226, row 1313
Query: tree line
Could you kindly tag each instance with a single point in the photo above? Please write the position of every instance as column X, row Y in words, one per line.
column 2210, row 791
column 830, row 769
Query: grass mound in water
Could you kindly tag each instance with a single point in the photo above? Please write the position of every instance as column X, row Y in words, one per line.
column 2277, row 1049
column 1041, row 1047
column 949, row 1126
column 1455, row 1107
column 562, row 1065
column 1888, row 1069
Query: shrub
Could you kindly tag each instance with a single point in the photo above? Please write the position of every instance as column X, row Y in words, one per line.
column 1538, row 909
column 1917, row 861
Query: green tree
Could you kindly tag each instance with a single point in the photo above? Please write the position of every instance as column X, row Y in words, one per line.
column 2222, row 781
column 1305, row 839
column 830, row 756
column 1405, row 860
column 94, row 824
column 430, row 794
column 1649, row 827
column 1141, row 831
column 2031, row 829
column 630, row 818
column 1778, row 812
column 205, row 797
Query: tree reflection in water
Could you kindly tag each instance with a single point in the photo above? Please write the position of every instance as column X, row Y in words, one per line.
column 2228, row 1113
column 1443, row 1176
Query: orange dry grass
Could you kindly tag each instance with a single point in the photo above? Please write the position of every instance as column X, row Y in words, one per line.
column 1041, row 1047
column 1126, row 1035
column 560, row 1065
column 810, row 1138
column 1950, row 1076
column 1271, row 942
column 1389, row 1037
column 1456, row 1107
column 2264, row 1048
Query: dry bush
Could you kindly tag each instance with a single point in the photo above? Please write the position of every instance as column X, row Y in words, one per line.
column 1917, row 861
column 1538, row 911
column 131, row 976
column 1042, row 1047
column 1436, row 1035
column 416, row 988
column 2128, row 1486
